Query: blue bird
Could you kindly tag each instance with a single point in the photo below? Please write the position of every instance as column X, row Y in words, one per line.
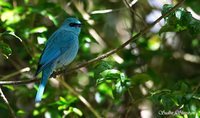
column 60, row 50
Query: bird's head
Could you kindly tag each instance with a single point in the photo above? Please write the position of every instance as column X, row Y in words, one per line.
column 72, row 24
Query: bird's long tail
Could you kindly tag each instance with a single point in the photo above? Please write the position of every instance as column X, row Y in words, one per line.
column 45, row 75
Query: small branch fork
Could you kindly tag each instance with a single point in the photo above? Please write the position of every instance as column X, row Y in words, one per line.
column 7, row 103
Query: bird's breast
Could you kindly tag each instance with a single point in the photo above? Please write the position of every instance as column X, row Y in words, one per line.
column 68, row 56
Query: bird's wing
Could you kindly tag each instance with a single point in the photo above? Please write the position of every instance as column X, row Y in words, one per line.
column 60, row 40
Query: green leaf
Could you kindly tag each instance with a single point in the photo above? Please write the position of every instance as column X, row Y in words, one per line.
column 67, row 112
column 154, row 43
column 74, row 110
column 46, row 10
column 77, row 111
column 21, row 112
column 111, row 74
column 40, row 29
column 119, row 89
column 116, row 80
column 196, row 97
column 12, row 16
column 178, row 15
column 100, row 67
column 5, row 4
column 163, row 91
column 105, row 89
column 41, row 40
column 64, row 103
column 63, row 100
column 53, row 19
column 62, row 107
column 9, row 87
column 85, row 44
column 180, row 20
column 166, row 8
column 5, row 49
column 36, row 112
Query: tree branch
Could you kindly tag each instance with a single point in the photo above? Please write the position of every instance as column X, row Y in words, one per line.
column 7, row 103
column 141, row 33
column 19, row 82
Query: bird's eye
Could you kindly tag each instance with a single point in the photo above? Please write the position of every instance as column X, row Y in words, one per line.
column 75, row 25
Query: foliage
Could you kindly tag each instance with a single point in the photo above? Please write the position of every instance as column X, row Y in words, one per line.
column 158, row 73
column 180, row 20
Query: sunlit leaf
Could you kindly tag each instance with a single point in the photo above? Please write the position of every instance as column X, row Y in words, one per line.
column 62, row 107
column 9, row 87
column 26, row 1
column 5, row 4
column 105, row 89
column 111, row 74
column 41, row 40
column 85, row 43
column 154, row 43
column 12, row 16
column 21, row 112
column 98, row 97
column 77, row 111
column 44, row 10
column 36, row 112
column 74, row 110
column 63, row 100
column 39, row 30
column 119, row 89
column 52, row 18
column 196, row 97
column 67, row 112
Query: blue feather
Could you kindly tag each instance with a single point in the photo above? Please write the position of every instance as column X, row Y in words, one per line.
column 45, row 75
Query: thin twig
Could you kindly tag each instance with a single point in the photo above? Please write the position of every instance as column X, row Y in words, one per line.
column 133, row 12
column 26, row 69
column 7, row 103
column 19, row 82
column 142, row 32
column 83, row 100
